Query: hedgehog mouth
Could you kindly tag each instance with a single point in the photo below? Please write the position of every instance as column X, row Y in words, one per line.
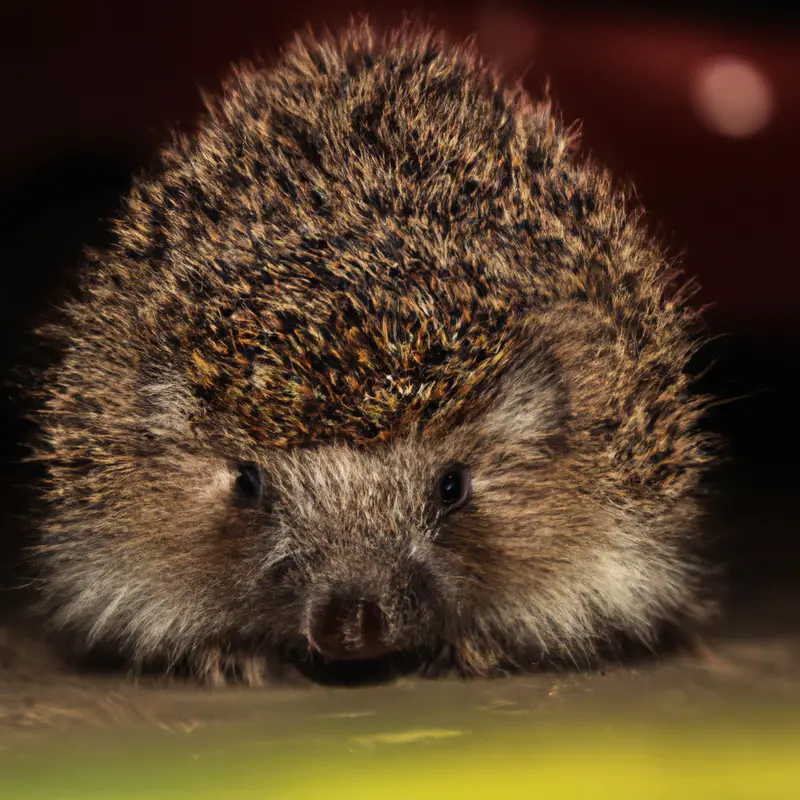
column 352, row 671
column 364, row 666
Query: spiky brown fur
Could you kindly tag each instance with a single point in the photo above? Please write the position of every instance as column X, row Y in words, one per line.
column 370, row 262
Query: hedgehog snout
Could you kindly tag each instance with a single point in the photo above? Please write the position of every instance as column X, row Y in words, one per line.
column 348, row 625
column 371, row 611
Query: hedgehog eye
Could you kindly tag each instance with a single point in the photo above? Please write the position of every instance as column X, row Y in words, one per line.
column 453, row 488
column 249, row 488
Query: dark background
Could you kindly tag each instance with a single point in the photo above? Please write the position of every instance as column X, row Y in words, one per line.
column 87, row 90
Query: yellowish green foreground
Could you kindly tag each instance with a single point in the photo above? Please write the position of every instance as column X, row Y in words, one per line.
column 404, row 742
column 633, row 763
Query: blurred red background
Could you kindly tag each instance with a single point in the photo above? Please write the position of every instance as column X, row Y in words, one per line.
column 698, row 106
column 98, row 81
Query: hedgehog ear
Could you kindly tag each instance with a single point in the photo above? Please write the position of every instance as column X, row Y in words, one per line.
column 580, row 344
column 569, row 357
column 165, row 406
column 530, row 404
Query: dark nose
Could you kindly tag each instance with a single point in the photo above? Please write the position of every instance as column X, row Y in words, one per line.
column 347, row 627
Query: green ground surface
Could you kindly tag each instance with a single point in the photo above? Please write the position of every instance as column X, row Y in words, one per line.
column 721, row 722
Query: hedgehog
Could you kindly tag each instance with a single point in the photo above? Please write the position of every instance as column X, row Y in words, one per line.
column 375, row 364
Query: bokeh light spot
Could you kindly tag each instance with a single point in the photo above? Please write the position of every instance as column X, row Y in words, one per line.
column 732, row 97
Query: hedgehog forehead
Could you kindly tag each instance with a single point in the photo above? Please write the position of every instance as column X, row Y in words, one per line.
column 351, row 373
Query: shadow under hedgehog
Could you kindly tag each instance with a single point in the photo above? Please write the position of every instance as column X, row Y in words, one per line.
column 373, row 366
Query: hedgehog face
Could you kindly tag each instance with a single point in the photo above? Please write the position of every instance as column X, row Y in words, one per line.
column 506, row 539
column 500, row 542
column 490, row 542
